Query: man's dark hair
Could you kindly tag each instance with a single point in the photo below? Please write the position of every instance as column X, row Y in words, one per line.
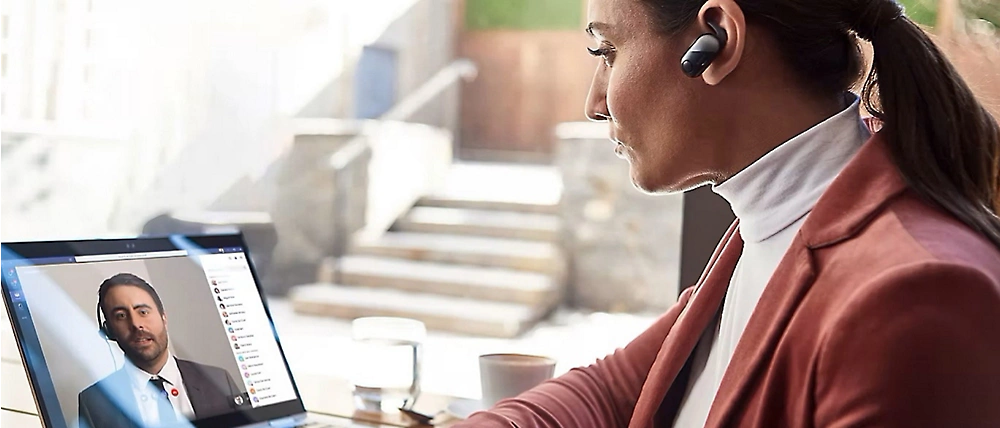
column 127, row 279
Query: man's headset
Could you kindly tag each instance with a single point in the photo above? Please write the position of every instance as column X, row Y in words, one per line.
column 106, row 334
column 703, row 51
column 102, row 326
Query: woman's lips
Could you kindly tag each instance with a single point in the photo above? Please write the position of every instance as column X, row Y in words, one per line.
column 619, row 148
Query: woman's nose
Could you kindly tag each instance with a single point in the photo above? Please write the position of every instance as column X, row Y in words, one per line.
column 597, row 105
column 598, row 114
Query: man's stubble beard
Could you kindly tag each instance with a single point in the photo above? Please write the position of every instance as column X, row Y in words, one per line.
column 154, row 352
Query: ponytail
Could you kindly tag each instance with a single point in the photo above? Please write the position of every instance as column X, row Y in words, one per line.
column 944, row 142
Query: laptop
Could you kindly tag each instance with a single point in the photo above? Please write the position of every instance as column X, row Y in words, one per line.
column 152, row 331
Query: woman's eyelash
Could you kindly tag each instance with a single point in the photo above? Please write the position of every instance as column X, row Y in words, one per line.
column 605, row 52
column 602, row 51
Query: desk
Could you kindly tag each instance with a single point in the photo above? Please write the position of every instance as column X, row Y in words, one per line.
column 319, row 394
column 19, row 420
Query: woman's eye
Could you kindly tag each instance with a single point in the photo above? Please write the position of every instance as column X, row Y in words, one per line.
column 606, row 52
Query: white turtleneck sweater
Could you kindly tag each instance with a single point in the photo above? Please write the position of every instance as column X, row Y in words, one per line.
column 771, row 198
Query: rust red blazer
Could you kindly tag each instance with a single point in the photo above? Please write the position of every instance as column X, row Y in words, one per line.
column 885, row 311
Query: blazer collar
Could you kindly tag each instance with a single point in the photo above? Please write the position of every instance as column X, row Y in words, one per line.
column 862, row 190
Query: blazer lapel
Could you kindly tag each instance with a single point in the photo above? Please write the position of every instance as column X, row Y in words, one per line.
column 863, row 188
column 789, row 283
column 195, row 390
column 688, row 328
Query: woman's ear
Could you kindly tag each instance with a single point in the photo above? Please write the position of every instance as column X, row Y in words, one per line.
column 728, row 15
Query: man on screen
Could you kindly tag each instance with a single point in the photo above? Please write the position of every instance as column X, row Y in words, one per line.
column 154, row 387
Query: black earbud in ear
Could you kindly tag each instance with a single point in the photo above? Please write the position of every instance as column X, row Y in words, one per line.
column 703, row 51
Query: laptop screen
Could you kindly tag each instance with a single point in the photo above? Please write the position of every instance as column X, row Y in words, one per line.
column 146, row 332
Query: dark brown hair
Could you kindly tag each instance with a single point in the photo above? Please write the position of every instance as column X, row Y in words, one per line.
column 126, row 279
column 943, row 141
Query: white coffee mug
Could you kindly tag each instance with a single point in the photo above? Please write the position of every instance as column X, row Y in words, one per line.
column 507, row 375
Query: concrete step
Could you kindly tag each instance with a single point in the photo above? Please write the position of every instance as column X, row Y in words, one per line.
column 491, row 284
column 499, row 224
column 499, row 186
column 484, row 202
column 443, row 313
column 535, row 256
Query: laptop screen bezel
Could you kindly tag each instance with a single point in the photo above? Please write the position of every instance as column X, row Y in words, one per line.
column 30, row 348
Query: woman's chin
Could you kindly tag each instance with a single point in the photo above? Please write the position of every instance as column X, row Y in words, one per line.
column 643, row 183
column 653, row 185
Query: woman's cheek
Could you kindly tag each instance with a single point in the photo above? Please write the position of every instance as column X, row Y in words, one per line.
column 617, row 99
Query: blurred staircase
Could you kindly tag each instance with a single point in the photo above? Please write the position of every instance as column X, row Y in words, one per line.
column 479, row 256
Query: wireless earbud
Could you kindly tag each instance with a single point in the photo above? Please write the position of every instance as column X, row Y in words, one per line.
column 703, row 51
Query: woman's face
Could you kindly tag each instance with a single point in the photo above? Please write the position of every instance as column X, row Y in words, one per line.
column 663, row 122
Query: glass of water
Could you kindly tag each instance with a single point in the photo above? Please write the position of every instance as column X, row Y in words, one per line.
column 387, row 354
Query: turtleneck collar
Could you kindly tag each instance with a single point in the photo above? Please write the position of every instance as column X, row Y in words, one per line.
column 784, row 185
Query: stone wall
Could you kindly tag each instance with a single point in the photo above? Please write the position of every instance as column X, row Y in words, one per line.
column 338, row 179
column 623, row 245
column 343, row 178
column 318, row 204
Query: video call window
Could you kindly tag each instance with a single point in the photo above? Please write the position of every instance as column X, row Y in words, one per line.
column 168, row 339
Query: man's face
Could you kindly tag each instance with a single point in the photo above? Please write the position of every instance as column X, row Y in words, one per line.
column 134, row 319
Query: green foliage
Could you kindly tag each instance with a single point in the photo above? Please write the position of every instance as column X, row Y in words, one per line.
column 988, row 10
column 923, row 12
column 524, row 14
column 568, row 14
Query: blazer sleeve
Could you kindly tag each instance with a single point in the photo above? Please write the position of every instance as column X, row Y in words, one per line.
column 603, row 394
column 917, row 348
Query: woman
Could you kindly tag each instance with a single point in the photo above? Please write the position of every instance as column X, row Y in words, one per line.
column 860, row 285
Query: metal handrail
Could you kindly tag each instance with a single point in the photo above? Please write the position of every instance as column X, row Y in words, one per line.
column 458, row 69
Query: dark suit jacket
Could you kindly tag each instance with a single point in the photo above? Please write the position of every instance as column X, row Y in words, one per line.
column 110, row 403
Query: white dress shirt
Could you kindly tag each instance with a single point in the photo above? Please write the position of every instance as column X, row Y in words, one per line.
column 144, row 391
column 771, row 198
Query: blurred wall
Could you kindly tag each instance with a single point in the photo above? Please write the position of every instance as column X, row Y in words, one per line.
column 423, row 38
column 534, row 73
column 977, row 58
column 528, row 83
